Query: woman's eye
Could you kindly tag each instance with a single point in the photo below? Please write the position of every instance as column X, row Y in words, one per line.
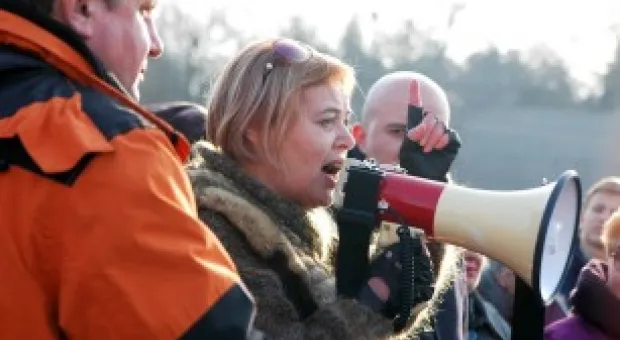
column 327, row 122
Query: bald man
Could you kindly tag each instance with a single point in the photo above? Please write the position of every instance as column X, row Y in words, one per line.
column 383, row 124
column 431, row 146
column 394, row 130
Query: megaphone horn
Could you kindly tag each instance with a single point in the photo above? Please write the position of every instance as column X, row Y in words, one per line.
column 531, row 231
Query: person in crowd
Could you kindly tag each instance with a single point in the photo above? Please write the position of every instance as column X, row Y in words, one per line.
column 382, row 126
column 596, row 298
column 601, row 200
column 484, row 320
column 100, row 236
column 189, row 119
column 497, row 286
column 277, row 140
column 381, row 134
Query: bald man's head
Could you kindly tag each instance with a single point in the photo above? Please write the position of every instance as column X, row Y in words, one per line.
column 384, row 115
column 391, row 94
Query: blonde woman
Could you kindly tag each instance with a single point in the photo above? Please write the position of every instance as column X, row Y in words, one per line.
column 277, row 139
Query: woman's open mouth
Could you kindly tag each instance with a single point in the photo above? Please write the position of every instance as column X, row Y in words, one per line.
column 331, row 170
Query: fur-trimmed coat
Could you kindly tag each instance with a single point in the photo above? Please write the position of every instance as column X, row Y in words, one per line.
column 282, row 253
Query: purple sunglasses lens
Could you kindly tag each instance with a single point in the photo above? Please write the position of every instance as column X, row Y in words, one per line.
column 291, row 51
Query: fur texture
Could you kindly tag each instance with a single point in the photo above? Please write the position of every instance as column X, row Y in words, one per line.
column 282, row 253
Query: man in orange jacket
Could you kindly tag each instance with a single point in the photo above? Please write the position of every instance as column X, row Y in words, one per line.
column 99, row 237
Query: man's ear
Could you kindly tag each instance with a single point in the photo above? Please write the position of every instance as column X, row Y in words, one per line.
column 359, row 134
column 76, row 14
column 252, row 135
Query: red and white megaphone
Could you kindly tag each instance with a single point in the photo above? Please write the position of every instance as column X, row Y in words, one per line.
column 530, row 231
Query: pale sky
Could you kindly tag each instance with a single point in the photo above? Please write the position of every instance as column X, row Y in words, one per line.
column 582, row 32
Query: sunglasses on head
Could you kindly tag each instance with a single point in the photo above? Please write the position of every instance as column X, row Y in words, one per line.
column 286, row 52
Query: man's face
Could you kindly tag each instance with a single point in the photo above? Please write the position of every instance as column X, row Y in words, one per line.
column 123, row 38
column 384, row 132
column 473, row 265
column 600, row 207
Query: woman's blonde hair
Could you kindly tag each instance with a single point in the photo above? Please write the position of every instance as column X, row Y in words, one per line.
column 245, row 97
column 611, row 231
column 451, row 276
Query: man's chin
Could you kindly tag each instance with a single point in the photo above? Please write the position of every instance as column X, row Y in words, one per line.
column 593, row 248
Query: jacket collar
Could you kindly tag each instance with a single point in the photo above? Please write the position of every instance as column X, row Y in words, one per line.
column 60, row 47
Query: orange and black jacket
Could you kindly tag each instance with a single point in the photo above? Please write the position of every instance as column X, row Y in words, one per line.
column 99, row 235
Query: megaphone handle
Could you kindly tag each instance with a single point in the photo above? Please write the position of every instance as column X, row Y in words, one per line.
column 407, row 278
column 416, row 275
column 352, row 262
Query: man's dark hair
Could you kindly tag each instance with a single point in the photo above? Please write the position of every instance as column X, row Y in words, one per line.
column 190, row 119
column 45, row 6
column 41, row 6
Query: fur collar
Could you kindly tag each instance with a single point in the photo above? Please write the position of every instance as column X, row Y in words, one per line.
column 272, row 225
